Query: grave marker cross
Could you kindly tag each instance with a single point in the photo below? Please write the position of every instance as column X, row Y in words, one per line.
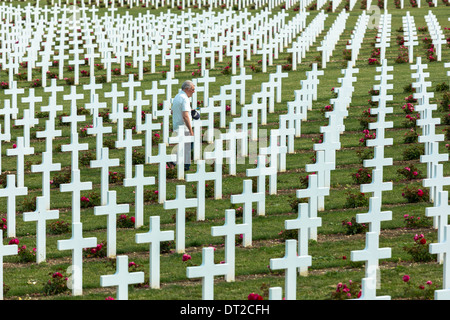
column 290, row 262
column 41, row 215
column 207, row 271
column 303, row 224
column 122, row 278
column 77, row 243
column 180, row 203
column 139, row 181
column 110, row 210
column 7, row 250
column 11, row 192
column 154, row 236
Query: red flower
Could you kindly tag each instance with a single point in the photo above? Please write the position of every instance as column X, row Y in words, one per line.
column 423, row 241
column 254, row 296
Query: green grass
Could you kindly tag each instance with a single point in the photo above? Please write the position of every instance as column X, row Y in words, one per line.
column 331, row 263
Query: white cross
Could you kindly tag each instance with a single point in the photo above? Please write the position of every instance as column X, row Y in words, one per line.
column 92, row 87
column 229, row 230
column 75, row 186
column 52, row 107
column 74, row 147
column 438, row 181
column 40, row 215
column 290, row 262
column 165, row 113
column 7, row 111
column 274, row 150
column 139, row 103
column 108, row 60
column 169, row 82
column 304, row 223
column 180, row 203
column 7, row 250
column 377, row 186
column 443, row 248
column 206, row 79
column 217, row 155
column 440, row 211
column 114, row 94
column 46, row 167
column 261, row 171
column 153, row 52
column 148, row 127
column 77, row 243
column 11, row 192
column 247, row 197
column 322, row 168
column 98, row 130
column 28, row 121
column 131, row 84
column 201, row 176
column 277, row 77
column 14, row 91
column 368, row 291
column 162, row 159
column 20, row 151
column 242, row 78
column 104, row 162
column 31, row 100
column 210, row 110
column 128, row 143
column 139, row 181
column 371, row 254
column 154, row 236
column 207, row 271
column 182, row 140
column 172, row 56
column 313, row 192
column 122, row 278
column 154, row 92
column 110, row 210
column 95, row 105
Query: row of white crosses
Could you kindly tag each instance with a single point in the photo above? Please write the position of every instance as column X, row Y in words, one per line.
column 172, row 3
column 75, row 186
column 326, row 150
column 110, row 208
column 372, row 252
column 429, row 137
column 410, row 35
column 437, row 36
column 435, row 179
column 384, row 33
column 254, row 29
column 111, row 198
column 357, row 37
column 105, row 54
column 306, row 39
column 330, row 40
column 440, row 211
column 208, row 269
column 296, row 257
column 307, row 222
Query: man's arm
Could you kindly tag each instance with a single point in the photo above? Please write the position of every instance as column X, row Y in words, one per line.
column 187, row 121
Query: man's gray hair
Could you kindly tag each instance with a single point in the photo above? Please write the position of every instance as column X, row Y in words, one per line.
column 187, row 85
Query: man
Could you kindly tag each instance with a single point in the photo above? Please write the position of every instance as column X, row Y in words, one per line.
column 181, row 115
